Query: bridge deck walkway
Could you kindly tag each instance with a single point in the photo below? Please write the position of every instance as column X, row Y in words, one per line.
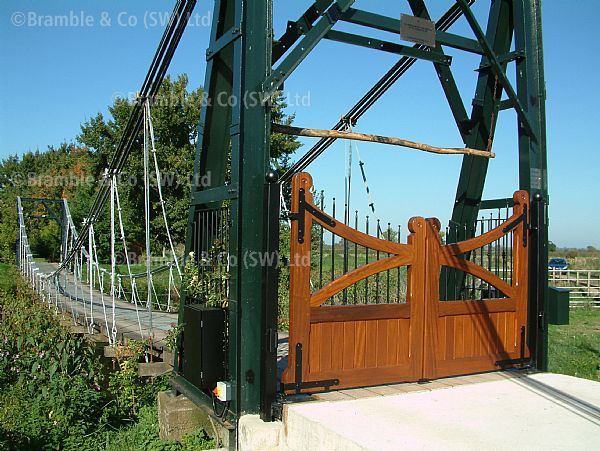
column 75, row 300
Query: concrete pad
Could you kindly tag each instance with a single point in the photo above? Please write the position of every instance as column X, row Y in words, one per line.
column 541, row 411
column 358, row 393
column 409, row 387
column 255, row 434
column 332, row 396
column 384, row 390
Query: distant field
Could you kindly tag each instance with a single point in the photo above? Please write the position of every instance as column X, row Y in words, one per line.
column 579, row 258
column 574, row 349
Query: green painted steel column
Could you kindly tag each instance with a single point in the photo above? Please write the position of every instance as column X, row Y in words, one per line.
column 232, row 159
column 250, row 140
column 533, row 173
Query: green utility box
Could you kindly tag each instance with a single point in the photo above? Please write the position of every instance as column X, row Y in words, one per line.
column 558, row 305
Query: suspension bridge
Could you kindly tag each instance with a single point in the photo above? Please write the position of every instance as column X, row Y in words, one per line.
column 389, row 310
column 101, row 299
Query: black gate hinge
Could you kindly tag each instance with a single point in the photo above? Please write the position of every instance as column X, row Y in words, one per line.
column 299, row 385
column 300, row 216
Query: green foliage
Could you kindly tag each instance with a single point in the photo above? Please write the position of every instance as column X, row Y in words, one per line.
column 579, row 259
column 143, row 435
column 54, row 393
column 284, row 277
column 60, row 172
column 74, row 172
column 130, row 391
column 205, row 280
column 173, row 335
column 48, row 377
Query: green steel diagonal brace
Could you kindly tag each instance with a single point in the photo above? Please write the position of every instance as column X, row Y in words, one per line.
column 496, row 66
column 296, row 29
column 446, row 78
column 390, row 47
column 304, row 47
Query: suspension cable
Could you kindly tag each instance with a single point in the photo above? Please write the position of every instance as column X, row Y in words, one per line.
column 156, row 73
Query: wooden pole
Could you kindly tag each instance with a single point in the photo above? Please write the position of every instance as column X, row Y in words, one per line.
column 316, row 133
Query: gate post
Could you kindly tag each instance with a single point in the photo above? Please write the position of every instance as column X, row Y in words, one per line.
column 431, row 296
column 271, row 285
column 538, row 283
column 299, row 278
column 416, row 293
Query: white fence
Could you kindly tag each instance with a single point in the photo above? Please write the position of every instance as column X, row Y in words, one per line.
column 583, row 285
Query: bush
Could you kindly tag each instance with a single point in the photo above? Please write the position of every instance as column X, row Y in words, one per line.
column 48, row 377
column 51, row 386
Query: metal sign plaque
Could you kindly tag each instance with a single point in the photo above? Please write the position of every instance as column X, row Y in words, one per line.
column 415, row 29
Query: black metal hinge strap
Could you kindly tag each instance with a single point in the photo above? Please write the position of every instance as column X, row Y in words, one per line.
column 298, row 385
column 521, row 218
column 299, row 216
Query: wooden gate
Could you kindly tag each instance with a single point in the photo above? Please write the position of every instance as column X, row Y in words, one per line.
column 417, row 336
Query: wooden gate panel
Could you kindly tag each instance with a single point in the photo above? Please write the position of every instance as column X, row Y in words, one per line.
column 354, row 345
column 341, row 346
column 468, row 336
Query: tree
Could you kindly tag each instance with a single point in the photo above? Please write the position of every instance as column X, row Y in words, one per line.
column 74, row 172
column 175, row 114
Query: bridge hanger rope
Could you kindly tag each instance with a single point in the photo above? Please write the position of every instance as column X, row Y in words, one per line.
column 159, row 184
column 147, row 222
column 90, row 274
column 100, row 284
column 152, row 82
column 134, row 291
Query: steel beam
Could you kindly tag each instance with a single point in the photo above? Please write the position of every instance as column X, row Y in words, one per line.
column 496, row 66
column 391, row 25
column 446, row 78
column 295, row 29
column 326, row 22
column 533, row 166
column 389, row 47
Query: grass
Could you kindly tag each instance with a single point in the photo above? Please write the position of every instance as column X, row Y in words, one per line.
column 574, row 349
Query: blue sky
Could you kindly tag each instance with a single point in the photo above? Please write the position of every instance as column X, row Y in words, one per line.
column 54, row 78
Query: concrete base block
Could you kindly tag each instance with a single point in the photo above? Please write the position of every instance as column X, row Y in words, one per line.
column 154, row 369
column 118, row 352
column 178, row 416
column 167, row 356
column 255, row 434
